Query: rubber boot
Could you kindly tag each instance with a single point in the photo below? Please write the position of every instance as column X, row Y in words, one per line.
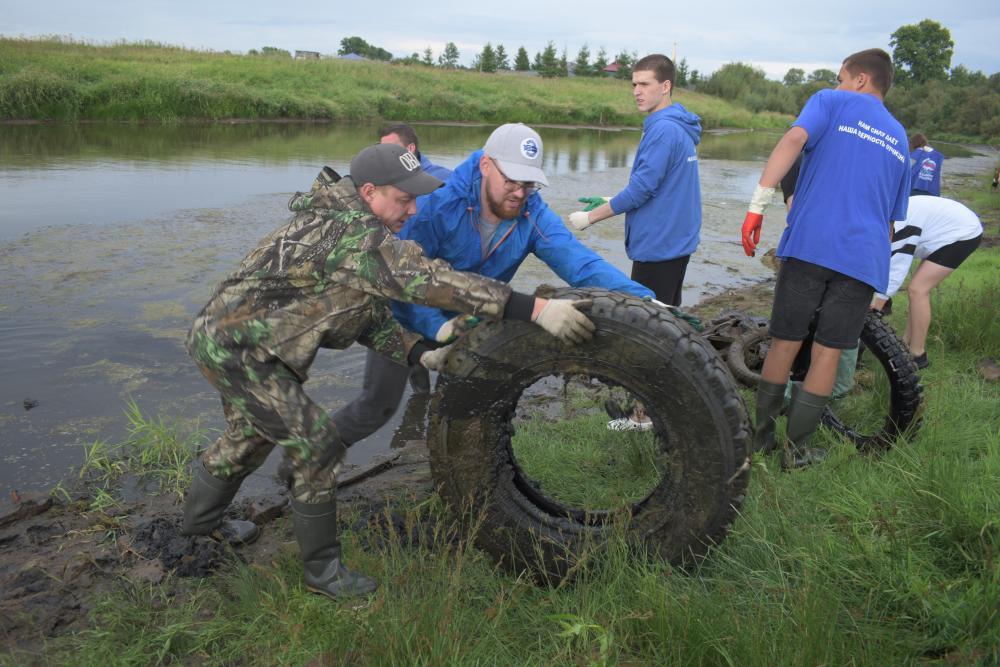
column 315, row 526
column 205, row 504
column 804, row 415
column 770, row 401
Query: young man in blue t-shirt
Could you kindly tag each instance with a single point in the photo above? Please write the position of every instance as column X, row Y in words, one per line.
column 853, row 183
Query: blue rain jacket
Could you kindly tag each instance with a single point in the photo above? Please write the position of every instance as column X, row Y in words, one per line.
column 446, row 225
column 662, row 201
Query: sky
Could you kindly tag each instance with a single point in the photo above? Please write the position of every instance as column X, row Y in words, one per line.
column 773, row 36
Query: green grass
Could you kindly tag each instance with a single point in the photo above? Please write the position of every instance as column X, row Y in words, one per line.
column 64, row 80
column 579, row 463
column 860, row 560
column 155, row 451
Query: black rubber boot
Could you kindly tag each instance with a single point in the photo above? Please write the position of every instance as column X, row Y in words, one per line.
column 770, row 400
column 205, row 504
column 804, row 414
column 420, row 380
column 315, row 527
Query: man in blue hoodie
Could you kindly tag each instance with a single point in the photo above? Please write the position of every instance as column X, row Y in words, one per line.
column 486, row 219
column 662, row 201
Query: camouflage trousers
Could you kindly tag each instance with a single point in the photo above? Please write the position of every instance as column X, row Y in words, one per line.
column 265, row 405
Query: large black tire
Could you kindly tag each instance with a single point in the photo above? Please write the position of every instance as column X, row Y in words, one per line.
column 881, row 342
column 906, row 393
column 698, row 415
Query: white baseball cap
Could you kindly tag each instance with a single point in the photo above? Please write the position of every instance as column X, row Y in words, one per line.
column 517, row 149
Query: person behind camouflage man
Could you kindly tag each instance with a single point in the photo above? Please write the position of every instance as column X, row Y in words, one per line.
column 406, row 136
column 324, row 279
column 371, row 410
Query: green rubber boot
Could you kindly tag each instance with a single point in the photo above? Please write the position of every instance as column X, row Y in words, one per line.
column 316, row 531
column 804, row 414
column 206, row 502
column 770, row 400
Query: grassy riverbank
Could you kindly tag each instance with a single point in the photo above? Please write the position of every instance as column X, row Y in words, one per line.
column 68, row 81
column 861, row 560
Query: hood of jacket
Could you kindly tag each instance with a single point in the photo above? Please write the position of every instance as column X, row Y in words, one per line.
column 676, row 113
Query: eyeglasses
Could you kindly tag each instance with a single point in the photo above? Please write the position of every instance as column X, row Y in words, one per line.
column 529, row 187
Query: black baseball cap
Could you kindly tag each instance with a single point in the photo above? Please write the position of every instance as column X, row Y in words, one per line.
column 390, row 164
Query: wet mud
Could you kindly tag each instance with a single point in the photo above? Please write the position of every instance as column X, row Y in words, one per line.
column 57, row 556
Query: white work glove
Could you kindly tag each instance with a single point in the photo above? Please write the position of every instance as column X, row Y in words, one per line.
column 434, row 360
column 580, row 220
column 562, row 318
column 455, row 327
column 761, row 198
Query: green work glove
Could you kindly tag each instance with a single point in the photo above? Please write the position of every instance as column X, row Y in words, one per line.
column 695, row 323
column 455, row 327
column 593, row 202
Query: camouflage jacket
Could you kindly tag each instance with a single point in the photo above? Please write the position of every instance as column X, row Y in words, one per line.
column 324, row 280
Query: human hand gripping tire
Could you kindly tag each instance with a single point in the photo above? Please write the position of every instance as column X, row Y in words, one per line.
column 562, row 318
column 434, row 360
column 455, row 327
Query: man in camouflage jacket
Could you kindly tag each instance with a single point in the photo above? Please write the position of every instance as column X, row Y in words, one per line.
column 324, row 280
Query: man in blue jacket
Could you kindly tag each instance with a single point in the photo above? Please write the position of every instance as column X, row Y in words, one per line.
column 486, row 219
column 662, row 201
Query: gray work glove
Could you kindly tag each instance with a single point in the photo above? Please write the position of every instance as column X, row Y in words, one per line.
column 434, row 360
column 562, row 318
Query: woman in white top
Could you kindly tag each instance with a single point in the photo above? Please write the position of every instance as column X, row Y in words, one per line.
column 942, row 233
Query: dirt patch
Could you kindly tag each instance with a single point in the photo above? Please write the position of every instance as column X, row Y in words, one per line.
column 58, row 555
column 753, row 300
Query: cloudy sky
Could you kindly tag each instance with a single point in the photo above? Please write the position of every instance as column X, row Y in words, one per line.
column 772, row 35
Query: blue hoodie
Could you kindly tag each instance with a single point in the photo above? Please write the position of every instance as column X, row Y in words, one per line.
column 662, row 201
column 446, row 225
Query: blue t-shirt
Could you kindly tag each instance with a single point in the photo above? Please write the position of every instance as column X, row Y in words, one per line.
column 854, row 181
column 925, row 170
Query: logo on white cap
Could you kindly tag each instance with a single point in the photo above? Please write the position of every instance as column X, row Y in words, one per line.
column 529, row 148
column 409, row 161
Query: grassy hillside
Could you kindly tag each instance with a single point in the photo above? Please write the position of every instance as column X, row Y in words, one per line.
column 59, row 80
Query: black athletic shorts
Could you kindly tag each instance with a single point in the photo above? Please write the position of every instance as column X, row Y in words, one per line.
column 953, row 254
column 665, row 278
column 839, row 302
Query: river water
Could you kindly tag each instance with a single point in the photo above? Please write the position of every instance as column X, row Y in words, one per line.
column 113, row 236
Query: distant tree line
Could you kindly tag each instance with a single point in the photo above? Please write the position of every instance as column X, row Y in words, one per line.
column 928, row 96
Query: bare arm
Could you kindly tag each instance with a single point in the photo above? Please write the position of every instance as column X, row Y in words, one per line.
column 783, row 157
column 602, row 212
